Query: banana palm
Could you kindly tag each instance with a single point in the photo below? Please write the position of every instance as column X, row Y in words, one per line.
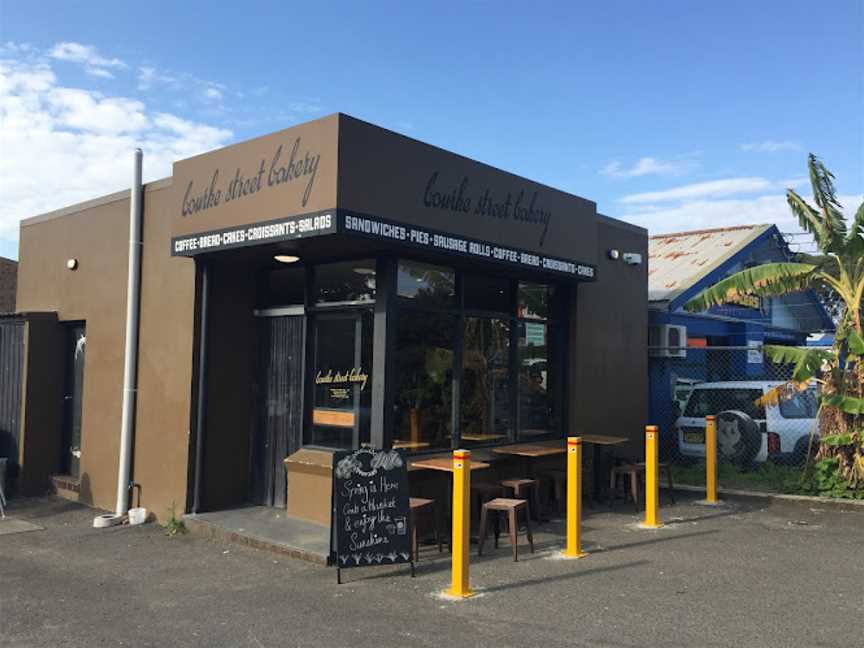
column 838, row 269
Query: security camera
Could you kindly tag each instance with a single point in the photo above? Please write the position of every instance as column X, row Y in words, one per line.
column 632, row 258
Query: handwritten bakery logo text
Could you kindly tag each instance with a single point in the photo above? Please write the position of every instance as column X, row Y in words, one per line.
column 521, row 206
column 281, row 168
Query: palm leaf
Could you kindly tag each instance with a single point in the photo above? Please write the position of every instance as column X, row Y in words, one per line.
column 847, row 404
column 769, row 279
column 855, row 238
column 823, row 262
column 855, row 343
column 808, row 362
column 833, row 221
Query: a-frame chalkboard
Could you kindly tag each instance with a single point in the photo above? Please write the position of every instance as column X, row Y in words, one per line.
column 371, row 510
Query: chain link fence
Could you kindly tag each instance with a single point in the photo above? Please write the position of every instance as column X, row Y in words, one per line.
column 759, row 446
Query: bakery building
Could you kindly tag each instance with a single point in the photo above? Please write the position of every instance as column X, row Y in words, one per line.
column 327, row 286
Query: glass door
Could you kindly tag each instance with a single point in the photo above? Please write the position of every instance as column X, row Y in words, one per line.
column 76, row 345
column 341, row 389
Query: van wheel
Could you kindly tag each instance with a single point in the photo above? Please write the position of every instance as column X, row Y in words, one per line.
column 738, row 437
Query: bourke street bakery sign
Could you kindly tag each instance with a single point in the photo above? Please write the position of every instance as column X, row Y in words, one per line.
column 278, row 187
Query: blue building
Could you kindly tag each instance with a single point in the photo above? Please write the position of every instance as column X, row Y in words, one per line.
column 724, row 343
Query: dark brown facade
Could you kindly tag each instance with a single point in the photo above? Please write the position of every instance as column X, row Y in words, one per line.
column 331, row 191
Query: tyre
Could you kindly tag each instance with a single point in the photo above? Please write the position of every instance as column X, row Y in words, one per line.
column 738, row 437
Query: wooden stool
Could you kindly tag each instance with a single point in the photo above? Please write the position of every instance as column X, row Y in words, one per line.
column 482, row 492
column 511, row 507
column 635, row 471
column 558, row 480
column 423, row 508
column 519, row 486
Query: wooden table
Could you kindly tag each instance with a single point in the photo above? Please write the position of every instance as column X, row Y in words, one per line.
column 444, row 464
column 482, row 438
column 410, row 445
column 602, row 439
column 532, row 450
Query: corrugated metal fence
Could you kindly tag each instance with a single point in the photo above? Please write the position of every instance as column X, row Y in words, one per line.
column 11, row 369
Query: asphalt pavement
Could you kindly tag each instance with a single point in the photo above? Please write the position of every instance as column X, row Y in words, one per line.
column 751, row 573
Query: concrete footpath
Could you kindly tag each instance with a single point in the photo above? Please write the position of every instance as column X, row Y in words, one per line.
column 752, row 573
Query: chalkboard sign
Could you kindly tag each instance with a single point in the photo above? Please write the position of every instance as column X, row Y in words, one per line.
column 371, row 509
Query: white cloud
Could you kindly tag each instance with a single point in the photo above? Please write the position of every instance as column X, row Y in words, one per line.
column 712, row 188
column 212, row 94
column 149, row 76
column 710, row 214
column 650, row 166
column 86, row 55
column 770, row 146
column 63, row 145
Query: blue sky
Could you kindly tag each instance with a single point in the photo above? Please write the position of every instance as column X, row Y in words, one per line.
column 673, row 115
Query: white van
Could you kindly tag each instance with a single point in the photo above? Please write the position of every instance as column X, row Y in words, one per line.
column 747, row 432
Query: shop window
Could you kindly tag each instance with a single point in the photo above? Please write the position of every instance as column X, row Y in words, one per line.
column 342, row 379
column 424, row 380
column 348, row 282
column 486, row 396
column 536, row 375
column 491, row 294
column 426, row 285
column 285, row 287
column 533, row 301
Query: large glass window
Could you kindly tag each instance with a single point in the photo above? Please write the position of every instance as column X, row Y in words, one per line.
column 345, row 282
column 341, row 379
column 424, row 381
column 426, row 285
column 285, row 287
column 486, row 414
column 487, row 294
column 535, row 402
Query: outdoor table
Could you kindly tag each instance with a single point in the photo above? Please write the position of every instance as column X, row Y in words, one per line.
column 532, row 451
column 601, row 459
column 410, row 445
column 444, row 464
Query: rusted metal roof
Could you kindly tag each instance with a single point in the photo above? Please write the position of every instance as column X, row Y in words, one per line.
column 678, row 261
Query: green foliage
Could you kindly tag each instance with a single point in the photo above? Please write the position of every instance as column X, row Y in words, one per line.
column 847, row 404
column 172, row 525
column 820, row 478
column 825, row 479
column 765, row 280
column 808, row 362
column 837, row 439
column 855, row 343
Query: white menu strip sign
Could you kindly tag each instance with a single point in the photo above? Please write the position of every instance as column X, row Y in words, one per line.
column 422, row 237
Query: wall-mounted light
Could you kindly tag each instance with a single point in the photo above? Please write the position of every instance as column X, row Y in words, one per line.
column 71, row 264
column 286, row 258
column 614, row 254
column 632, row 258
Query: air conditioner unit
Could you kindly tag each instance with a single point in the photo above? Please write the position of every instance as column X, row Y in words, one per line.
column 667, row 341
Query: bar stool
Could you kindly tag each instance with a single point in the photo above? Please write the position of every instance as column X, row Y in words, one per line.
column 482, row 492
column 511, row 507
column 635, row 472
column 424, row 509
column 520, row 486
column 557, row 479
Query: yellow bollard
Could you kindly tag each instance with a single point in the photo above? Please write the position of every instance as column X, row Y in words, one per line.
column 652, row 486
column 710, row 459
column 460, row 585
column 574, row 498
